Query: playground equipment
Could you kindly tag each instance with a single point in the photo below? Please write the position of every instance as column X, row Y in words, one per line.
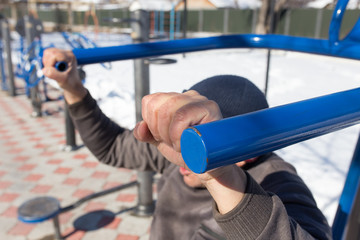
column 5, row 47
column 43, row 208
column 80, row 41
column 342, row 111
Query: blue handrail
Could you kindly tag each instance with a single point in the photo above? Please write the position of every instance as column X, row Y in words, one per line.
column 231, row 140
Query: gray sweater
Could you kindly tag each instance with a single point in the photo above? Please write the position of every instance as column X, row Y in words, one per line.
column 277, row 203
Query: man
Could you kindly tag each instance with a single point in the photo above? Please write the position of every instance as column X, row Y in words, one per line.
column 261, row 198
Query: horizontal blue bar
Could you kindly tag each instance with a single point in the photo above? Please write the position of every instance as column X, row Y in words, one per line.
column 344, row 49
column 231, row 140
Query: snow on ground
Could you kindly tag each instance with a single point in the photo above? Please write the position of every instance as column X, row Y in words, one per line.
column 322, row 162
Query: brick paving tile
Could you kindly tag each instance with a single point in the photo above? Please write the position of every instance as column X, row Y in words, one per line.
column 21, row 158
column 2, row 173
column 22, row 229
column 47, row 154
column 72, row 181
column 34, row 177
column 114, row 224
column 15, row 150
column 93, row 206
column 80, row 193
column 65, row 217
column 126, row 237
column 81, row 156
column 54, row 161
column 34, row 164
column 41, row 189
column 90, row 164
column 8, row 197
column 73, row 234
column 99, row 174
column 123, row 197
column 27, row 167
column 63, row 170
column 11, row 212
column 5, row 184
column 108, row 185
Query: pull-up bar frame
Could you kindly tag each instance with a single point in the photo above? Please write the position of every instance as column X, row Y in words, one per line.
column 349, row 47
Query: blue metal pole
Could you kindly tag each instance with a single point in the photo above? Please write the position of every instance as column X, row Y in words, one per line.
column 231, row 140
column 335, row 24
column 2, row 66
column 345, row 49
column 172, row 22
column 347, row 197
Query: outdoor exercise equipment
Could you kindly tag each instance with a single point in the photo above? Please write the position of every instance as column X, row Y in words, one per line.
column 235, row 139
column 80, row 41
column 8, row 82
column 44, row 208
column 157, row 35
column 342, row 112
column 2, row 68
column 30, row 59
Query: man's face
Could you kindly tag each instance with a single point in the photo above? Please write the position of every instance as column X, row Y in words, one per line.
column 190, row 178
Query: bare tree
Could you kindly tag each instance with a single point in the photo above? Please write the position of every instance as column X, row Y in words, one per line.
column 267, row 21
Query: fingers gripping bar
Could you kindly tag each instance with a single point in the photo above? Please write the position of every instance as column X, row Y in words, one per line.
column 235, row 139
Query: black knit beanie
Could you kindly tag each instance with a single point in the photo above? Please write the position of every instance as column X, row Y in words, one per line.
column 235, row 95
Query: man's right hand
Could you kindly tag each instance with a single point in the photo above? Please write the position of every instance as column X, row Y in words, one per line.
column 68, row 80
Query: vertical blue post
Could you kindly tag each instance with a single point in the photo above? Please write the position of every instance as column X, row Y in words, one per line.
column 162, row 22
column 172, row 22
column 178, row 22
column 347, row 197
column 156, row 23
column 2, row 66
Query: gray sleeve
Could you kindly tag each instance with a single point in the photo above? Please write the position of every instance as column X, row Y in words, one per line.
column 262, row 215
column 110, row 143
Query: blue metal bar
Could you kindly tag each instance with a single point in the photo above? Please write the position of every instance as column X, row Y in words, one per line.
column 335, row 24
column 344, row 49
column 231, row 140
column 348, row 195
column 2, row 68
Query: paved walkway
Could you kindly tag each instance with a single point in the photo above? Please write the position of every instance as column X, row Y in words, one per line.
column 33, row 164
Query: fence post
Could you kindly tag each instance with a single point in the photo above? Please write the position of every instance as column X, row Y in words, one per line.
column 36, row 101
column 226, row 21
column 318, row 23
column 7, row 50
column 287, row 22
column 201, row 20
column 254, row 20
column 140, row 29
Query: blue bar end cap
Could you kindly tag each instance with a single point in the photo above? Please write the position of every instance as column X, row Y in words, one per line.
column 193, row 150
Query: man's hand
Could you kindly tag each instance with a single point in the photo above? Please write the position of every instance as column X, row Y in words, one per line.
column 165, row 117
column 69, row 79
